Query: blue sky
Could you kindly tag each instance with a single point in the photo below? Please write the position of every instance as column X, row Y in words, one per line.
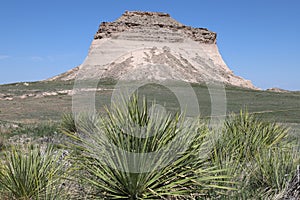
column 258, row 39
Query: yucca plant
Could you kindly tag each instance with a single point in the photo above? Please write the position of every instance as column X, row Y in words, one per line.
column 242, row 148
column 135, row 153
column 2, row 141
column 32, row 173
column 68, row 123
column 272, row 171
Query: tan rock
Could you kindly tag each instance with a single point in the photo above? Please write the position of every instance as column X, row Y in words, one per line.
column 150, row 45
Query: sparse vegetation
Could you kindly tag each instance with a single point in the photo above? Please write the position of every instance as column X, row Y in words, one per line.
column 45, row 129
column 253, row 158
column 34, row 110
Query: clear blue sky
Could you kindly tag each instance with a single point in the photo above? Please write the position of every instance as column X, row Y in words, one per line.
column 258, row 39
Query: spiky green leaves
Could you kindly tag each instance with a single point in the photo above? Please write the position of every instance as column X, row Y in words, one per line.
column 31, row 173
column 138, row 153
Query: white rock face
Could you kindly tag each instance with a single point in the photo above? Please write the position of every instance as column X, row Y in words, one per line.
column 144, row 45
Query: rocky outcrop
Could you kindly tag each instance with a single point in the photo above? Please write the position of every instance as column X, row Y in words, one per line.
column 278, row 90
column 136, row 21
column 151, row 45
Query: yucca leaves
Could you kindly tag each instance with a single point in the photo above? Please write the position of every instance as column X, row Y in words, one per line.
column 116, row 155
column 31, row 173
column 255, row 154
column 135, row 153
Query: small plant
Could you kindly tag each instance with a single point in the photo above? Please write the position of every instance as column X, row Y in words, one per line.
column 31, row 174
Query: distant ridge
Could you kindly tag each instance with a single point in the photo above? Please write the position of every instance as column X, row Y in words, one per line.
column 279, row 90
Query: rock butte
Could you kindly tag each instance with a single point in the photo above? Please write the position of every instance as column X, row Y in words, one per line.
column 152, row 45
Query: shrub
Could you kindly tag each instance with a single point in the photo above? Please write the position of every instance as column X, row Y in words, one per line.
column 253, row 156
column 273, row 170
column 256, row 155
column 34, row 174
column 112, row 154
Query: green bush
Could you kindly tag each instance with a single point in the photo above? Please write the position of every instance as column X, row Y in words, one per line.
column 250, row 155
column 32, row 173
column 273, row 170
column 110, row 155
column 256, row 156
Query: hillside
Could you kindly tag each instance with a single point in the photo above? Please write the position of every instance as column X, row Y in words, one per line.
column 154, row 46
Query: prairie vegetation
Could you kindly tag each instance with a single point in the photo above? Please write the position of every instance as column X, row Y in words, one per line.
column 98, row 156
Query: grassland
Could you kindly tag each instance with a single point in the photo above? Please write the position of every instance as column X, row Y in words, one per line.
column 280, row 107
column 32, row 113
column 271, row 106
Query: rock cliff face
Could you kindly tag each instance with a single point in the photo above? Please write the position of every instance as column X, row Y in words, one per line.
column 158, row 23
column 151, row 45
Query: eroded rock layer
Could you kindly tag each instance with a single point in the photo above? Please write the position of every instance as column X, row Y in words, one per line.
column 152, row 45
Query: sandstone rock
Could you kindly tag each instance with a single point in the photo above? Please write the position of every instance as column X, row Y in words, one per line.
column 151, row 45
column 279, row 90
column 45, row 94
column 64, row 92
column 8, row 98
column 138, row 21
column 69, row 75
column 24, row 96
